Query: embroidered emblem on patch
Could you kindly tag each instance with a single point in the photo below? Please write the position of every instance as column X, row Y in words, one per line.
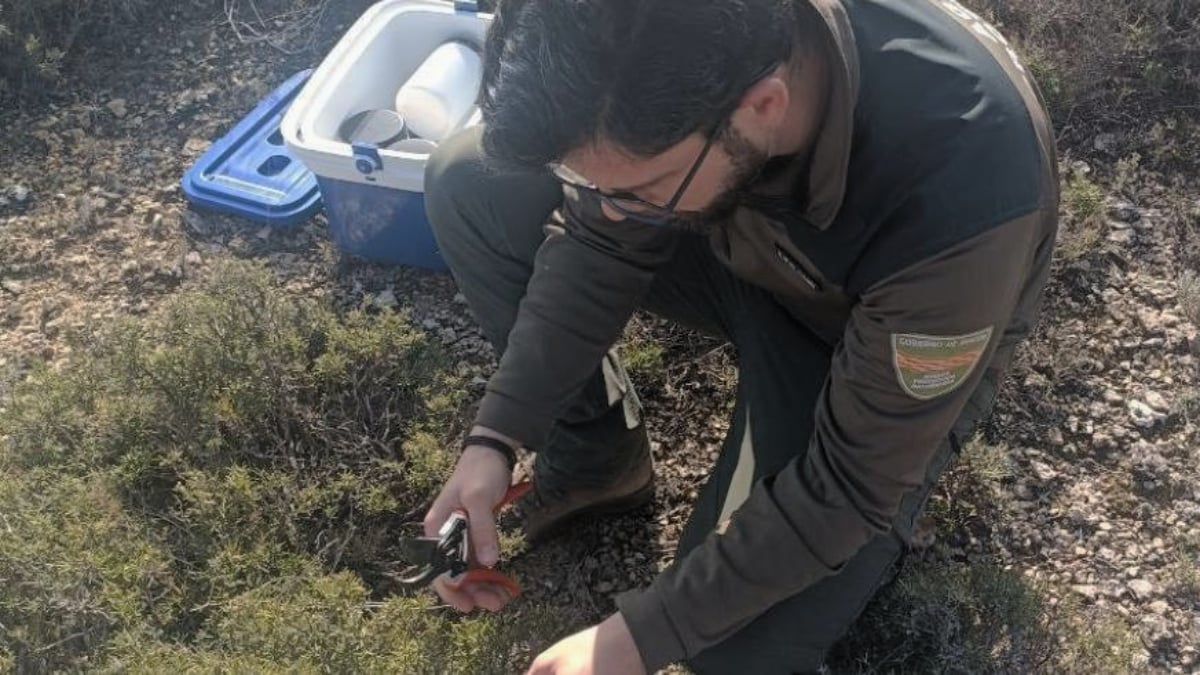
column 931, row 365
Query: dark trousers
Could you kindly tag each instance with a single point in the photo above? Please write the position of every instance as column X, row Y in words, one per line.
column 489, row 226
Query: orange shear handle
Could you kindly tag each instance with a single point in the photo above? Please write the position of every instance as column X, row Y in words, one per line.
column 486, row 575
column 514, row 493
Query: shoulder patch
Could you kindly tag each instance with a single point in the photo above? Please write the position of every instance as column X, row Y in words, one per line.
column 929, row 366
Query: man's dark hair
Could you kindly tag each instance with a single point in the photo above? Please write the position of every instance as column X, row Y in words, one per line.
column 643, row 74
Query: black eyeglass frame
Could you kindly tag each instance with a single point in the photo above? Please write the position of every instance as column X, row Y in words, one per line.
column 645, row 211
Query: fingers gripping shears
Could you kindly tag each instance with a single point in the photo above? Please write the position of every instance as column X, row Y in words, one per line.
column 450, row 551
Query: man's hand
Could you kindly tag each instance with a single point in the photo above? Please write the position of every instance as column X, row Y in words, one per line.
column 477, row 486
column 604, row 649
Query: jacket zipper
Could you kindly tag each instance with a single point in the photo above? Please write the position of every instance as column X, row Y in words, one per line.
column 791, row 262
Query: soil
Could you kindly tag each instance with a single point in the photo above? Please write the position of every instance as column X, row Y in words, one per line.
column 1098, row 414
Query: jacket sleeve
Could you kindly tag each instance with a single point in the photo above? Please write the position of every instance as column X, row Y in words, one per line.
column 897, row 384
column 590, row 274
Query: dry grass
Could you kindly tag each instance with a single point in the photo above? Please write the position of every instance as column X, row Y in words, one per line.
column 1082, row 230
column 975, row 490
column 939, row 618
column 1186, row 570
column 1189, row 296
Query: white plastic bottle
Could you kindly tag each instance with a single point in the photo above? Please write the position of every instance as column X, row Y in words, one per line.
column 440, row 95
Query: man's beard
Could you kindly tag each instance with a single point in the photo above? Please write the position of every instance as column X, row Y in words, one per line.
column 748, row 162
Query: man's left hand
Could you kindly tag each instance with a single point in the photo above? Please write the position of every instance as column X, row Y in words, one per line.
column 604, row 649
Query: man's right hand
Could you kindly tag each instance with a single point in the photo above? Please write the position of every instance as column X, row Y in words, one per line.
column 477, row 486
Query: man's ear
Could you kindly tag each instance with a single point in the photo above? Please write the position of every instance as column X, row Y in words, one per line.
column 764, row 107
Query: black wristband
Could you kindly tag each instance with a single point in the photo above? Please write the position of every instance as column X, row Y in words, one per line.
column 510, row 455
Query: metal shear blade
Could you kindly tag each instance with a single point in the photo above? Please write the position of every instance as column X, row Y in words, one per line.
column 425, row 551
column 450, row 552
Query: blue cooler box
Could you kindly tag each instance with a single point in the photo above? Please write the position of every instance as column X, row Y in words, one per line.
column 379, row 223
column 374, row 197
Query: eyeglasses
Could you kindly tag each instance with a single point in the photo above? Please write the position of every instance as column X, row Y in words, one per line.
column 628, row 204
column 634, row 207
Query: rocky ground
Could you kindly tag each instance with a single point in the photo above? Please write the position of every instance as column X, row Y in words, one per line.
column 1094, row 443
column 1098, row 494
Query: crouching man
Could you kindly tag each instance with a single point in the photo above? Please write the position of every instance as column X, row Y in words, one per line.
column 861, row 195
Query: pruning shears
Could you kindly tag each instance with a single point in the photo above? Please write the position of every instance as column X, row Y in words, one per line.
column 450, row 552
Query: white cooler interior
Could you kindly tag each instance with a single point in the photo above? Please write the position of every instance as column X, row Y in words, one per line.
column 364, row 71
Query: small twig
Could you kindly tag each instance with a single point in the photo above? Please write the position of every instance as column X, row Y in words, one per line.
column 337, row 559
column 293, row 25
column 52, row 645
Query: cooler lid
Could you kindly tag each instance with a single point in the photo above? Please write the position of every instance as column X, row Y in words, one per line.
column 250, row 173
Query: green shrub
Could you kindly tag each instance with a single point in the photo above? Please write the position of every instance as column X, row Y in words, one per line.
column 185, row 484
column 239, row 376
column 948, row 617
column 1092, row 57
column 941, row 619
column 74, row 569
column 1094, row 641
column 644, row 360
column 327, row 624
column 36, row 35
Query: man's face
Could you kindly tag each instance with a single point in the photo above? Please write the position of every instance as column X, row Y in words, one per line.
column 709, row 200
